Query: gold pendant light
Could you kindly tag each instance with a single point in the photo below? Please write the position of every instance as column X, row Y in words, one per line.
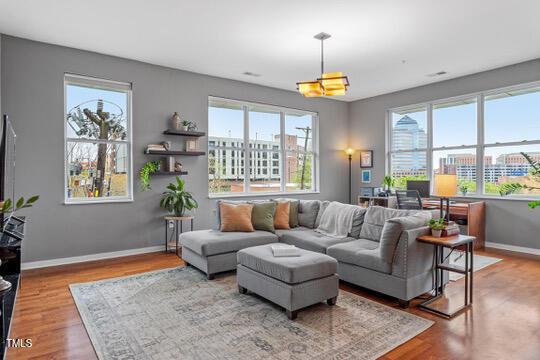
column 329, row 84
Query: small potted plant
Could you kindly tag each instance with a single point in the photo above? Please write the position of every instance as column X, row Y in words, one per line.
column 388, row 183
column 437, row 226
column 464, row 188
column 144, row 174
column 176, row 200
column 185, row 125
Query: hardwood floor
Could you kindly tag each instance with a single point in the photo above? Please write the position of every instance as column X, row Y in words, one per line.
column 504, row 322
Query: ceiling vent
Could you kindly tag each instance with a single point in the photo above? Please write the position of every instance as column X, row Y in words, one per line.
column 440, row 73
column 249, row 73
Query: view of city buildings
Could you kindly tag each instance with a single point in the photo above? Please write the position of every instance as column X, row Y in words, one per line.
column 407, row 134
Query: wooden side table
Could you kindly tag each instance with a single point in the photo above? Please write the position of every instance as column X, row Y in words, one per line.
column 451, row 243
column 178, row 229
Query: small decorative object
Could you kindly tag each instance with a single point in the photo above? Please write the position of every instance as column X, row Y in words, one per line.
column 366, row 176
column 156, row 147
column 170, row 161
column 366, row 158
column 144, row 174
column 4, row 284
column 176, row 122
column 176, row 200
column 177, row 167
column 192, row 126
column 464, row 188
column 185, row 125
column 437, row 226
column 166, row 145
column 192, row 145
column 388, row 183
column 366, row 191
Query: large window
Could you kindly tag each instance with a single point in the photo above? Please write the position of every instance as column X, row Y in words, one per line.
column 97, row 121
column 480, row 138
column 260, row 149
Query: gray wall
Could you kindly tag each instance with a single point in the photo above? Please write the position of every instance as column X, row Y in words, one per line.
column 32, row 84
column 509, row 222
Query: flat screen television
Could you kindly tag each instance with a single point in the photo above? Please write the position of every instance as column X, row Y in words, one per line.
column 7, row 163
column 422, row 186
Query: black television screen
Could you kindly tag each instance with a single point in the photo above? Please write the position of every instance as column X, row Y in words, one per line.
column 7, row 161
column 422, row 186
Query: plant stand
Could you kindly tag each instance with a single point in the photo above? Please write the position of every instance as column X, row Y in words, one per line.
column 176, row 231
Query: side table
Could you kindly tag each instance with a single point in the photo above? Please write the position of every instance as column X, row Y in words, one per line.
column 452, row 242
column 177, row 230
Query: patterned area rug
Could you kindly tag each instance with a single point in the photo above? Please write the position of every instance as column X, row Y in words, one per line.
column 178, row 314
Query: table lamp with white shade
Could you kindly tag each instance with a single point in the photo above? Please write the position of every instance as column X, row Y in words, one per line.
column 445, row 186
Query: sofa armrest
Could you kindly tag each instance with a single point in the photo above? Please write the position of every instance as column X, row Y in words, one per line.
column 412, row 257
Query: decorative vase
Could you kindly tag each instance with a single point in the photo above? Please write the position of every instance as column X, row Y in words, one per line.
column 176, row 122
column 185, row 127
column 436, row 233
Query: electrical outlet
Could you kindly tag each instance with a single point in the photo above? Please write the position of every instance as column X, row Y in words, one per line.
column 171, row 224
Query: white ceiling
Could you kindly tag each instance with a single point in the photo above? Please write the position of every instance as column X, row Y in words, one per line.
column 382, row 45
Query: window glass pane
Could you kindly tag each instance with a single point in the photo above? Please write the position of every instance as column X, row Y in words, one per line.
column 298, row 171
column 225, row 171
column 512, row 116
column 460, row 162
column 298, row 132
column 506, row 164
column 225, row 124
column 264, row 172
column 409, row 129
column 411, row 165
column 454, row 123
column 264, row 128
column 97, row 170
column 94, row 113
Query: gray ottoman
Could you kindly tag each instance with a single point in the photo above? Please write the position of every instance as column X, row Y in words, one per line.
column 291, row 282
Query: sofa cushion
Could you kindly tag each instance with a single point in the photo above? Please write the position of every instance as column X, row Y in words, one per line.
column 358, row 221
column 213, row 242
column 281, row 216
column 293, row 210
column 236, row 217
column 376, row 216
column 322, row 207
column 392, row 230
column 361, row 252
column 262, row 216
column 307, row 213
column 310, row 240
column 292, row 270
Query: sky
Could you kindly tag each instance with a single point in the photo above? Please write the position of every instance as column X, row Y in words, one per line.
column 508, row 119
column 224, row 122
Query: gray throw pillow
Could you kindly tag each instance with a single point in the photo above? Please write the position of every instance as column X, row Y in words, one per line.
column 358, row 221
column 376, row 216
column 392, row 229
column 322, row 207
column 307, row 213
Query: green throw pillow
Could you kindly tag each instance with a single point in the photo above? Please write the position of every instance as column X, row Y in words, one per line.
column 293, row 213
column 262, row 216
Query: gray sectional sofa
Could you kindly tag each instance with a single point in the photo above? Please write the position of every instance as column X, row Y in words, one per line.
column 381, row 252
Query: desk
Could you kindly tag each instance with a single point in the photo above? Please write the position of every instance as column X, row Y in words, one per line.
column 470, row 216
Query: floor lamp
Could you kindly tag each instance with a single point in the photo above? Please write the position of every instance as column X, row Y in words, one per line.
column 350, row 153
column 445, row 186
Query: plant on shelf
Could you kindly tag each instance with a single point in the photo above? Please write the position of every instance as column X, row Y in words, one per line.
column 437, row 226
column 388, row 182
column 144, row 174
column 176, row 200
column 185, row 125
column 8, row 207
column 506, row 189
column 463, row 188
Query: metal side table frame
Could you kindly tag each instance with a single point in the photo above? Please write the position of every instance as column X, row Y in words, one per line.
column 177, row 230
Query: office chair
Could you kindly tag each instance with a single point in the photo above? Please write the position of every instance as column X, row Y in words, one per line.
column 409, row 199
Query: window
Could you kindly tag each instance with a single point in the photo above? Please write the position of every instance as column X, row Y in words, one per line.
column 286, row 136
column 97, row 140
column 479, row 138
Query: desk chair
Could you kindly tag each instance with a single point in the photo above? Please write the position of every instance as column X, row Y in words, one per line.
column 409, row 199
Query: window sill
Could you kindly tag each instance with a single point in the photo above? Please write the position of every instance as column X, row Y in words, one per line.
column 101, row 201
column 249, row 195
column 494, row 197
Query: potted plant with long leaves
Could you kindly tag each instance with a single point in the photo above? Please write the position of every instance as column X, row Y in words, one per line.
column 534, row 172
column 176, row 199
column 8, row 208
column 388, row 183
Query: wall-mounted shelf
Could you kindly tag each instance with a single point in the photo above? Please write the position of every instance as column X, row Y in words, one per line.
column 173, row 153
column 170, row 173
column 184, row 133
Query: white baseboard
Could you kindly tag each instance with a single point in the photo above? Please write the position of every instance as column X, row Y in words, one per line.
column 520, row 249
column 91, row 257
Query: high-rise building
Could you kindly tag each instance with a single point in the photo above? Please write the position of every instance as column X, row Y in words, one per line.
column 407, row 134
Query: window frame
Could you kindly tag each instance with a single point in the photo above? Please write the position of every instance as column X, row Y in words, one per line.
column 247, row 150
column 480, row 145
column 105, row 84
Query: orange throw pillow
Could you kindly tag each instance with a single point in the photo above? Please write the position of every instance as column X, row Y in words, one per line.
column 236, row 217
column 281, row 217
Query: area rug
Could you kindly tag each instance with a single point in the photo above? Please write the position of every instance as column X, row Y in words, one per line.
column 178, row 314
column 479, row 262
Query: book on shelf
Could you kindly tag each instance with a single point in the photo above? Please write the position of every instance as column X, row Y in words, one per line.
column 155, row 147
column 451, row 229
